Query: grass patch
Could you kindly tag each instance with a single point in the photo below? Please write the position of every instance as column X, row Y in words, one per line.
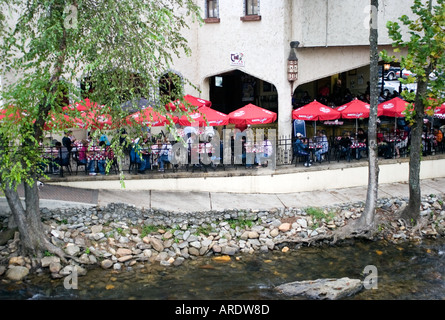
column 146, row 230
column 319, row 214
column 242, row 223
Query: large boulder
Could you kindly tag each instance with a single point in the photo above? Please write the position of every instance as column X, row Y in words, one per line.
column 17, row 273
column 322, row 289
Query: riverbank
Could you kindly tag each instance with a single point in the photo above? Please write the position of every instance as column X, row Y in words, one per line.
column 121, row 236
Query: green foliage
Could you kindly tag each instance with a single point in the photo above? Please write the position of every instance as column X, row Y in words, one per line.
column 242, row 223
column 425, row 51
column 319, row 214
column 119, row 49
column 148, row 229
column 204, row 229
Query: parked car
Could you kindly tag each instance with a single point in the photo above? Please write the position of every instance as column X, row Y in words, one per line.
column 393, row 73
column 406, row 73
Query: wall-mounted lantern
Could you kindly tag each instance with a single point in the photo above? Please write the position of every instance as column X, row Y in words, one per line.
column 292, row 64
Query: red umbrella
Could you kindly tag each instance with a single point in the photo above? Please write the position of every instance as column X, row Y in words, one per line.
column 197, row 101
column 59, row 123
column 193, row 101
column 356, row 109
column 393, row 108
column 251, row 114
column 10, row 113
column 149, row 117
column 92, row 115
column 81, row 106
column 439, row 112
column 97, row 120
column 315, row 111
column 213, row 117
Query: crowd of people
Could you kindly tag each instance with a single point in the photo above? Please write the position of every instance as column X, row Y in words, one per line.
column 149, row 151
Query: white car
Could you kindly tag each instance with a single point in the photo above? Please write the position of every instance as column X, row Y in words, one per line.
column 406, row 73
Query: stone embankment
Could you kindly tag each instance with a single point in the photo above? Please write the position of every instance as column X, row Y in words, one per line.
column 120, row 236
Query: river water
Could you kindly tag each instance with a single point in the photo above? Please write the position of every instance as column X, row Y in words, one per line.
column 413, row 271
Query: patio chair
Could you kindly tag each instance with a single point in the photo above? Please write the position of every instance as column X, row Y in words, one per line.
column 78, row 163
column 65, row 162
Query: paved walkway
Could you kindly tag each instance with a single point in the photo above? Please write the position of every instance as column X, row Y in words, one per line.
column 53, row 196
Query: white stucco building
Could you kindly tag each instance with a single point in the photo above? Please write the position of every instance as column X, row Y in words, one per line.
column 240, row 53
column 245, row 45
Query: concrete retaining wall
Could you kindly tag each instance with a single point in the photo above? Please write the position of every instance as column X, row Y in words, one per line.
column 278, row 181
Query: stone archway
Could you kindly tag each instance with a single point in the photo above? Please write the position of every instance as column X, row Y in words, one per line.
column 234, row 89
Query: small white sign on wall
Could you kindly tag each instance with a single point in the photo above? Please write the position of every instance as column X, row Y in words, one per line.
column 237, row 59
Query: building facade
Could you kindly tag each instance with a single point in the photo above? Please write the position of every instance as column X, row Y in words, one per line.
column 240, row 54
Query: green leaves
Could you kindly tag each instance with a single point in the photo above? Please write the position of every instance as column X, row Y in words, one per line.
column 118, row 50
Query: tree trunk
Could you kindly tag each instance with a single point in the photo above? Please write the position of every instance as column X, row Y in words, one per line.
column 366, row 221
column 33, row 241
column 411, row 213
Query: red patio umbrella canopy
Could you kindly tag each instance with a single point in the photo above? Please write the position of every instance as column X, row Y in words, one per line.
column 149, row 117
column 356, row 109
column 192, row 100
column 63, row 122
column 393, row 108
column 315, row 111
column 439, row 112
column 10, row 113
column 213, row 117
column 251, row 114
column 92, row 115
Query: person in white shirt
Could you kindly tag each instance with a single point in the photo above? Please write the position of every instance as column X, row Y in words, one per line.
column 267, row 152
column 164, row 154
column 323, row 141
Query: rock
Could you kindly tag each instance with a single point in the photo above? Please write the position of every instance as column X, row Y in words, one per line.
column 274, row 232
column 322, row 289
column 123, row 252
column 98, row 236
column 178, row 261
column 17, row 273
column 194, row 251
column 229, row 250
column 157, row 244
column 69, row 270
column 284, row 227
column 125, row 258
column 106, row 264
column 72, row 249
column 167, row 235
column 146, row 239
column 117, row 266
column 196, row 244
column 54, row 267
column 46, row 261
column 17, row 261
column 253, row 235
column 2, row 270
column 96, row 228
column 302, row 222
column 245, row 235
